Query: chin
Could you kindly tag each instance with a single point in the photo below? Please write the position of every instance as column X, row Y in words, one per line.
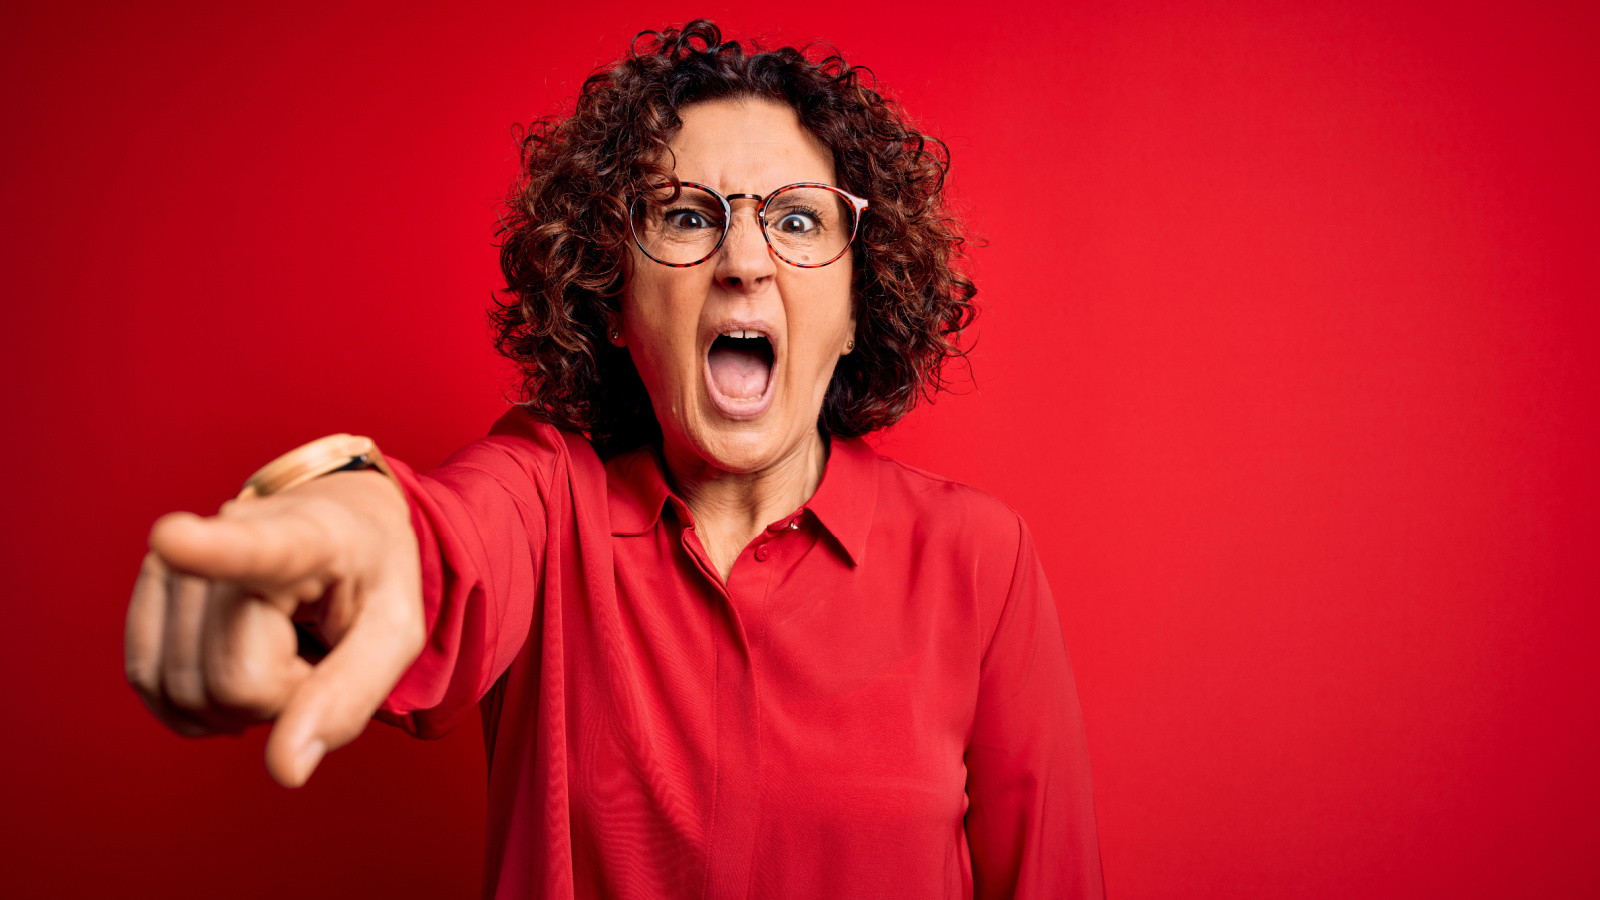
column 740, row 446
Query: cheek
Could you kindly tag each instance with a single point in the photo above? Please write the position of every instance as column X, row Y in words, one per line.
column 824, row 320
column 662, row 334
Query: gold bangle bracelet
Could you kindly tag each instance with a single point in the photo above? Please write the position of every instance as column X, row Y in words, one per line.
column 334, row 453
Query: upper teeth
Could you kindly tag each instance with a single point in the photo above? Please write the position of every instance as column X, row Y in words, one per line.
column 741, row 334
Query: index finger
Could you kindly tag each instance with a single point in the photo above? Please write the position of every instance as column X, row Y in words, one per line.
column 268, row 547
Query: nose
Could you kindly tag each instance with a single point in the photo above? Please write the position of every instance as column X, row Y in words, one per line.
column 745, row 262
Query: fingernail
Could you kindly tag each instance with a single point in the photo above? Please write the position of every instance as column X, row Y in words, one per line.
column 309, row 757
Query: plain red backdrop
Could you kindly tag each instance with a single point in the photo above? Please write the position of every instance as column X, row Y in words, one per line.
column 1289, row 357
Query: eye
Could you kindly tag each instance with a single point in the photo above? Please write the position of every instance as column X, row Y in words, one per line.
column 797, row 223
column 688, row 219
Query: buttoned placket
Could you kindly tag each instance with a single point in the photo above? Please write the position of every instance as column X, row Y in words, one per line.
column 735, row 813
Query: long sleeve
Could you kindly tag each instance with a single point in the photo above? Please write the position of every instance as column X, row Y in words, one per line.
column 1030, row 824
column 481, row 523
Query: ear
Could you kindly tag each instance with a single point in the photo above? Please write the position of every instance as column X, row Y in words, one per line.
column 614, row 330
column 849, row 342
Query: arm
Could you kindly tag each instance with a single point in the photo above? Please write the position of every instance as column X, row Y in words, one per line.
column 481, row 525
column 1030, row 822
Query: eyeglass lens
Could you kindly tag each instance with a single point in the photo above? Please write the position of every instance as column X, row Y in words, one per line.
column 807, row 226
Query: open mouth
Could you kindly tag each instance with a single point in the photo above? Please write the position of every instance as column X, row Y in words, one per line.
column 739, row 371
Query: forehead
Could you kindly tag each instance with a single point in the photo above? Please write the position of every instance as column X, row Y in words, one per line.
column 747, row 145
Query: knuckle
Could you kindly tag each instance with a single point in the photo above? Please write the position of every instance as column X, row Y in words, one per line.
column 186, row 690
column 139, row 675
column 151, row 567
column 238, row 681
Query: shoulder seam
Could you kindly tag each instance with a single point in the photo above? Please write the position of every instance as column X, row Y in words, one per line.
column 1011, row 585
column 924, row 473
column 541, row 477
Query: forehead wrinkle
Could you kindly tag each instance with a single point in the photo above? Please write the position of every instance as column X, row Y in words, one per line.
column 747, row 145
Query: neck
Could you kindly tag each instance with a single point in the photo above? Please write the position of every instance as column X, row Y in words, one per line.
column 731, row 508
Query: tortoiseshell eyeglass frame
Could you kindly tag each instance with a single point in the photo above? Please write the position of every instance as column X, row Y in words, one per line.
column 857, row 204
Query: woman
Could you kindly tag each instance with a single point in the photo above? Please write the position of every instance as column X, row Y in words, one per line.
column 719, row 646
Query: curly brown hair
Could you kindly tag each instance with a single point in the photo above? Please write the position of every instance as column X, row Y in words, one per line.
column 564, row 237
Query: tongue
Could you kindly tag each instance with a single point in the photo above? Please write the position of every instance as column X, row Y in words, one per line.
column 737, row 372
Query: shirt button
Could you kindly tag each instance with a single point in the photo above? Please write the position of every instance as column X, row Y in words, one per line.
column 762, row 554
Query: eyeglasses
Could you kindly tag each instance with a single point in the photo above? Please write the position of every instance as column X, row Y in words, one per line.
column 806, row 225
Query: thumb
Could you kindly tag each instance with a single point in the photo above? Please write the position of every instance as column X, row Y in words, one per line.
column 337, row 700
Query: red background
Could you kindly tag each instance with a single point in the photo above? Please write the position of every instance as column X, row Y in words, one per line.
column 1289, row 359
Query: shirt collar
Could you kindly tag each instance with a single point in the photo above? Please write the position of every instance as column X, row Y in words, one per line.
column 848, row 495
column 636, row 491
column 844, row 502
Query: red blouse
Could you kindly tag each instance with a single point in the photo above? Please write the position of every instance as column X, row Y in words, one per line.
column 877, row 703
